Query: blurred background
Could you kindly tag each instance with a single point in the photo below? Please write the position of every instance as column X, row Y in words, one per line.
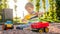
column 15, row 10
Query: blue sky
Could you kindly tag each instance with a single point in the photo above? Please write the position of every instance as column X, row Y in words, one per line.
column 47, row 5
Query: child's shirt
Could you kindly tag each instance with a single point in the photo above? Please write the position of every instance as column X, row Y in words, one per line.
column 27, row 17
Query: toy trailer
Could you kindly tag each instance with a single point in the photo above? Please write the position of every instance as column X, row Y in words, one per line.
column 40, row 27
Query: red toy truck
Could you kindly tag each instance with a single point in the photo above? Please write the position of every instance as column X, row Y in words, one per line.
column 40, row 26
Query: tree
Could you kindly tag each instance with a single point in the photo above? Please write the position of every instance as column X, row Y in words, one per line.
column 58, row 8
column 51, row 15
column 37, row 5
column 4, row 4
column 53, row 10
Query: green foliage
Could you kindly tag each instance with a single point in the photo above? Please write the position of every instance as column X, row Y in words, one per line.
column 31, row 0
column 16, row 19
column 58, row 8
column 3, row 4
column 0, row 11
column 51, row 15
column 37, row 5
column 0, row 20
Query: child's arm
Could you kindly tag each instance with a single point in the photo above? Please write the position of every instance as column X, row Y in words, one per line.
column 26, row 18
column 37, row 14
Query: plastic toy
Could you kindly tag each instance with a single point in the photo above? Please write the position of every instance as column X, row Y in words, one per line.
column 8, row 25
column 40, row 26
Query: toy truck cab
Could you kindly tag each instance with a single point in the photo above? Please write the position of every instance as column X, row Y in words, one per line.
column 8, row 25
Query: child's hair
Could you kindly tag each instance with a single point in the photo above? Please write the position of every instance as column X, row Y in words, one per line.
column 29, row 4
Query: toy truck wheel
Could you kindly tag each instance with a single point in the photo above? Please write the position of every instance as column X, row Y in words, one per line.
column 4, row 28
column 12, row 27
column 46, row 30
column 40, row 30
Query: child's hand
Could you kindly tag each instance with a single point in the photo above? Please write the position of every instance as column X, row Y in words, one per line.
column 24, row 21
column 41, row 13
column 36, row 13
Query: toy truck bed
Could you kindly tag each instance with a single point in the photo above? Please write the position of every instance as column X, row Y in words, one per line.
column 39, row 25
